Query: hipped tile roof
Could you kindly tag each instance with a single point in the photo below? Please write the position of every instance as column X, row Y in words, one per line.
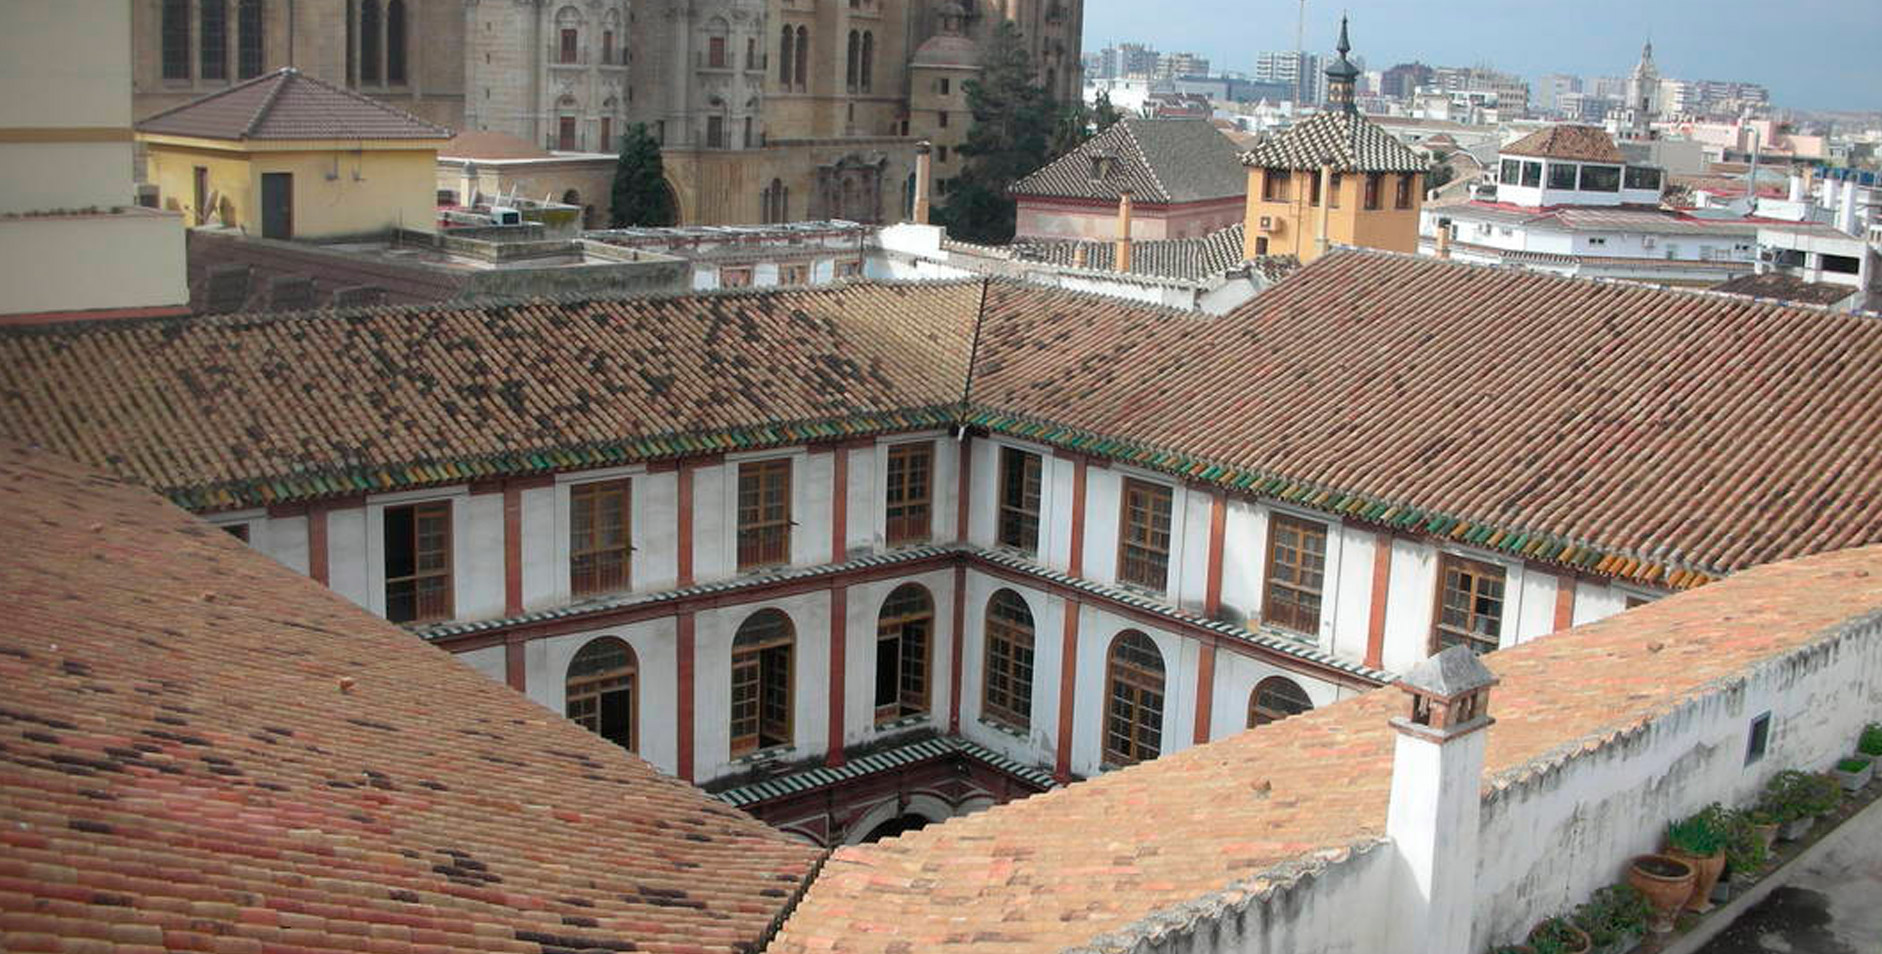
column 289, row 104
column 1348, row 142
column 1113, row 863
column 1159, row 160
column 1190, row 259
column 203, row 750
column 1567, row 141
column 1659, row 436
column 1778, row 286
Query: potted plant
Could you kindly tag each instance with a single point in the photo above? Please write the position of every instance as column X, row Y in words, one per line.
column 1615, row 918
column 1746, row 846
column 1557, row 936
column 1667, row 883
column 1794, row 799
column 1699, row 840
column 1765, row 825
column 1854, row 772
column 1870, row 742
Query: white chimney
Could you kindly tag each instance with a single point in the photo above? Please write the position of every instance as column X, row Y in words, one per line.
column 1846, row 215
column 1797, row 187
column 1433, row 817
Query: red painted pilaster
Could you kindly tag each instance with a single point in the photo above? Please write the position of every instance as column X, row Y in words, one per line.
column 683, row 528
column 1564, row 602
column 1218, row 528
column 317, row 543
column 954, row 669
column 839, row 503
column 1068, row 681
column 962, row 483
column 683, row 645
column 512, row 550
column 1381, row 584
column 515, row 665
column 839, row 630
column 1075, row 565
column 1205, row 691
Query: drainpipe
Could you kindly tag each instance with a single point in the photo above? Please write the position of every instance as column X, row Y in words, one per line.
column 1124, row 230
column 1326, row 205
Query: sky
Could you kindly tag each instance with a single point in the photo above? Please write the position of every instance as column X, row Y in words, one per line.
column 1812, row 54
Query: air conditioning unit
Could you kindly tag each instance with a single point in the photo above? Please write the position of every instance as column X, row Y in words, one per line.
column 1268, row 224
column 500, row 215
column 1767, row 255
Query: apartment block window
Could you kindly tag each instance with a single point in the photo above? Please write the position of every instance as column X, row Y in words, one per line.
column 599, row 525
column 418, row 562
column 1470, row 605
column 1297, row 558
column 1143, row 557
column 1372, row 191
column 1275, row 698
column 849, row 269
column 1133, row 718
column 764, row 513
column 761, row 682
column 1007, row 696
column 944, row 86
column 1274, row 184
column 175, row 27
column 910, row 489
column 1562, row 175
column 793, row 274
column 1600, row 178
column 734, row 278
column 1532, row 174
column 904, row 645
column 1402, row 196
column 1019, row 500
column 599, row 691
column 1639, row 177
column 214, row 39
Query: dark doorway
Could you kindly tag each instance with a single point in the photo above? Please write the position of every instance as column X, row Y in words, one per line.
column 894, row 827
column 277, row 205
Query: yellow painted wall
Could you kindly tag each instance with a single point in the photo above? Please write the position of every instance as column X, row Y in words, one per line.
column 132, row 258
column 338, row 192
column 1295, row 221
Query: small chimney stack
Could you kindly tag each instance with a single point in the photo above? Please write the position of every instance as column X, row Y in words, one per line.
column 924, row 169
column 1444, row 239
column 1124, row 230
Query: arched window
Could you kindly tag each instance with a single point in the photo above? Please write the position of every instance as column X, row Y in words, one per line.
column 1009, row 633
column 352, row 42
column 716, row 29
column 904, row 644
column 1275, row 698
column 761, row 682
column 213, row 39
column 853, row 61
column 248, row 53
column 176, row 39
column 369, row 41
column 803, row 57
column 869, row 59
column 395, row 41
column 568, row 28
column 600, row 694
column 1133, row 717
column 784, row 57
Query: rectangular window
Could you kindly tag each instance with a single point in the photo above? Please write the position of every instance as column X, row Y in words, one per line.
column 1562, row 175
column 1313, row 191
column 1274, row 185
column 1532, row 174
column 764, row 513
column 599, row 525
column 565, row 134
column 248, row 52
column 1470, row 605
column 849, row 269
column 568, row 51
column 793, row 274
column 214, row 37
column 715, row 52
column 910, row 486
column 715, row 132
column 1297, row 559
column 418, row 562
column 1402, row 198
column 1143, row 553
column 607, row 134
column 941, row 154
column 1643, row 178
column 944, row 86
column 1512, row 173
column 1758, row 739
column 1600, row 178
column 1371, row 200
column 944, row 119
column 734, row 278
column 1019, row 500
column 607, row 47
column 176, row 39
column 1334, row 184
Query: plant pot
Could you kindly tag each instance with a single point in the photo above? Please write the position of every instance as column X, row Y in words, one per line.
column 1579, row 942
column 1620, row 945
column 1667, row 882
column 1854, row 781
column 1797, row 828
column 1768, row 832
column 1722, row 891
column 1706, row 871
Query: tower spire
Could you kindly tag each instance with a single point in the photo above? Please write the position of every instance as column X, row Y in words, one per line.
column 1342, row 76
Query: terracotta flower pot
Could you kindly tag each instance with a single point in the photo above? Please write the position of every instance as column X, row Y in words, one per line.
column 1580, row 943
column 1706, row 871
column 1667, row 883
column 1768, row 832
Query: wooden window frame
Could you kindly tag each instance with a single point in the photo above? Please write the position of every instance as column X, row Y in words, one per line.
column 1370, row 198
column 1142, row 693
column 578, row 692
column 1275, row 185
column 1443, row 634
column 1261, row 710
column 756, row 657
column 763, row 540
column 587, row 545
column 566, row 134
column 1009, row 646
column 1401, row 198
column 569, row 46
column 1335, row 182
column 437, row 509
column 1291, row 577
column 1016, row 516
column 1138, row 551
column 908, row 504
column 913, row 683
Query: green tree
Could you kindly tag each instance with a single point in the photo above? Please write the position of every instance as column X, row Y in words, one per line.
column 640, row 195
column 1103, row 114
column 1013, row 120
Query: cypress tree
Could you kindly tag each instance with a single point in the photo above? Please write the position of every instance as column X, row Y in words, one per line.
column 1013, row 120
column 640, row 195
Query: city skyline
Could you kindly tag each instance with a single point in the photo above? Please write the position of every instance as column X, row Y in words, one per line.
column 1825, row 64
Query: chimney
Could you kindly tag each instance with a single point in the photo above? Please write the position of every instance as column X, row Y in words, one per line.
column 1444, row 239
column 1796, row 187
column 1123, row 230
column 923, row 170
column 1846, row 215
column 1433, row 817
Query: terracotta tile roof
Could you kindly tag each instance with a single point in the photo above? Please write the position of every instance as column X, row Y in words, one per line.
column 1585, row 143
column 215, row 411
column 1192, row 260
column 1159, row 160
column 1256, row 810
column 206, row 751
column 1346, row 141
column 1625, row 429
column 484, row 144
column 289, row 104
column 1780, row 287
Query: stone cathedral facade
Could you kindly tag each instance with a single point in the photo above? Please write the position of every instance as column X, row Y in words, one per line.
column 767, row 110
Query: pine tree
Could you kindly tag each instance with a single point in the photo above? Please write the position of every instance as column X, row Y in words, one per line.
column 1012, row 120
column 1103, row 114
column 640, row 194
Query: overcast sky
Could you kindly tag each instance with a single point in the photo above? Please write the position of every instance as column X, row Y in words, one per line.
column 1813, row 54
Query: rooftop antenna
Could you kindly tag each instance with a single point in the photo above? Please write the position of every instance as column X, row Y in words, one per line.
column 1300, row 57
